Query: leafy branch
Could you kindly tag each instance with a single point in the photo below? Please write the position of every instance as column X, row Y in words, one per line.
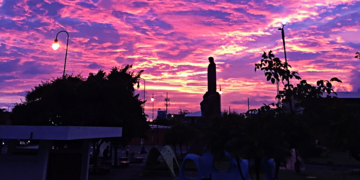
column 275, row 69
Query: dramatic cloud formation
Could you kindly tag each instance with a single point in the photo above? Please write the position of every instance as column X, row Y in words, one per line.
column 171, row 41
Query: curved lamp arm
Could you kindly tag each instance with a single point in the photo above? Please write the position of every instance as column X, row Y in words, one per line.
column 67, row 44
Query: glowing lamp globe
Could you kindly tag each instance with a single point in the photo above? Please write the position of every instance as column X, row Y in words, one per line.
column 283, row 22
column 55, row 45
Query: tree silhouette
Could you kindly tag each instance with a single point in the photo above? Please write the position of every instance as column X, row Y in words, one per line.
column 2, row 116
column 227, row 134
column 295, row 99
column 274, row 129
column 178, row 135
column 107, row 100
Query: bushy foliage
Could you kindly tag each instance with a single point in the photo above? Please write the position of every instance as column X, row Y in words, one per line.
column 274, row 129
column 3, row 114
column 99, row 100
column 179, row 134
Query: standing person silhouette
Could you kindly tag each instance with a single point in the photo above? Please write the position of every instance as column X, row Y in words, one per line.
column 127, row 150
column 106, row 153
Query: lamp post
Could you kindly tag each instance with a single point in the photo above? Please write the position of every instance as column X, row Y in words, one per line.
column 152, row 100
column 296, row 165
column 220, row 92
column 56, row 46
column 283, row 39
column 142, row 140
column 152, row 117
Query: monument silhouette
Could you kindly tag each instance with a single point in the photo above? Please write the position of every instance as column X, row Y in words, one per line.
column 210, row 106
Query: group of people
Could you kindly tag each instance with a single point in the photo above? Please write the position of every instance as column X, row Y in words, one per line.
column 106, row 152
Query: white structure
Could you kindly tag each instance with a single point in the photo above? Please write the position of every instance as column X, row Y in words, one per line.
column 34, row 167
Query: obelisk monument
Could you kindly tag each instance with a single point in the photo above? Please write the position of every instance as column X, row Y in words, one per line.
column 210, row 106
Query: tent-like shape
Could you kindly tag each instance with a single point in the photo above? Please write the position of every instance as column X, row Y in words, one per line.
column 167, row 155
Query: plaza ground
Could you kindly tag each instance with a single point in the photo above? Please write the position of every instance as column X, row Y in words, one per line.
column 312, row 171
column 342, row 168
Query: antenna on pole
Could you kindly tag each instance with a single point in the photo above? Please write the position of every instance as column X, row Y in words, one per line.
column 167, row 103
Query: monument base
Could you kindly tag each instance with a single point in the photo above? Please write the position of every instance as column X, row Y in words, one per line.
column 210, row 106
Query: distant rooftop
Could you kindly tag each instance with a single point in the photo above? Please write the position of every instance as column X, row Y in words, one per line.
column 197, row 114
column 154, row 126
column 194, row 114
column 346, row 95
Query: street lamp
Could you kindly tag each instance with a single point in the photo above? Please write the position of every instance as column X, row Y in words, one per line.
column 152, row 100
column 297, row 168
column 283, row 38
column 157, row 125
column 56, row 46
column 138, row 86
column 220, row 92
column 283, row 22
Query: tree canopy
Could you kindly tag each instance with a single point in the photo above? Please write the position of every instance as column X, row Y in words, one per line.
column 274, row 129
column 3, row 116
column 101, row 99
column 180, row 134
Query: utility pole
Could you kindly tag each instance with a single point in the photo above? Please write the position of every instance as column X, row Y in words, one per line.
column 167, row 103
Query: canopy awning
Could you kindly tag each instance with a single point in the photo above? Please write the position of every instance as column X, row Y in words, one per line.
column 58, row 132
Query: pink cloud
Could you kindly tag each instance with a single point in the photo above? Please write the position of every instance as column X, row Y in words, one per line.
column 171, row 41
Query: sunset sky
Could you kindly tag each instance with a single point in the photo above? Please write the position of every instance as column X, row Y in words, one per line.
column 171, row 40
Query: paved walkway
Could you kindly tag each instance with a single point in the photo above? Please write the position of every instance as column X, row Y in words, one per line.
column 133, row 171
column 130, row 173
